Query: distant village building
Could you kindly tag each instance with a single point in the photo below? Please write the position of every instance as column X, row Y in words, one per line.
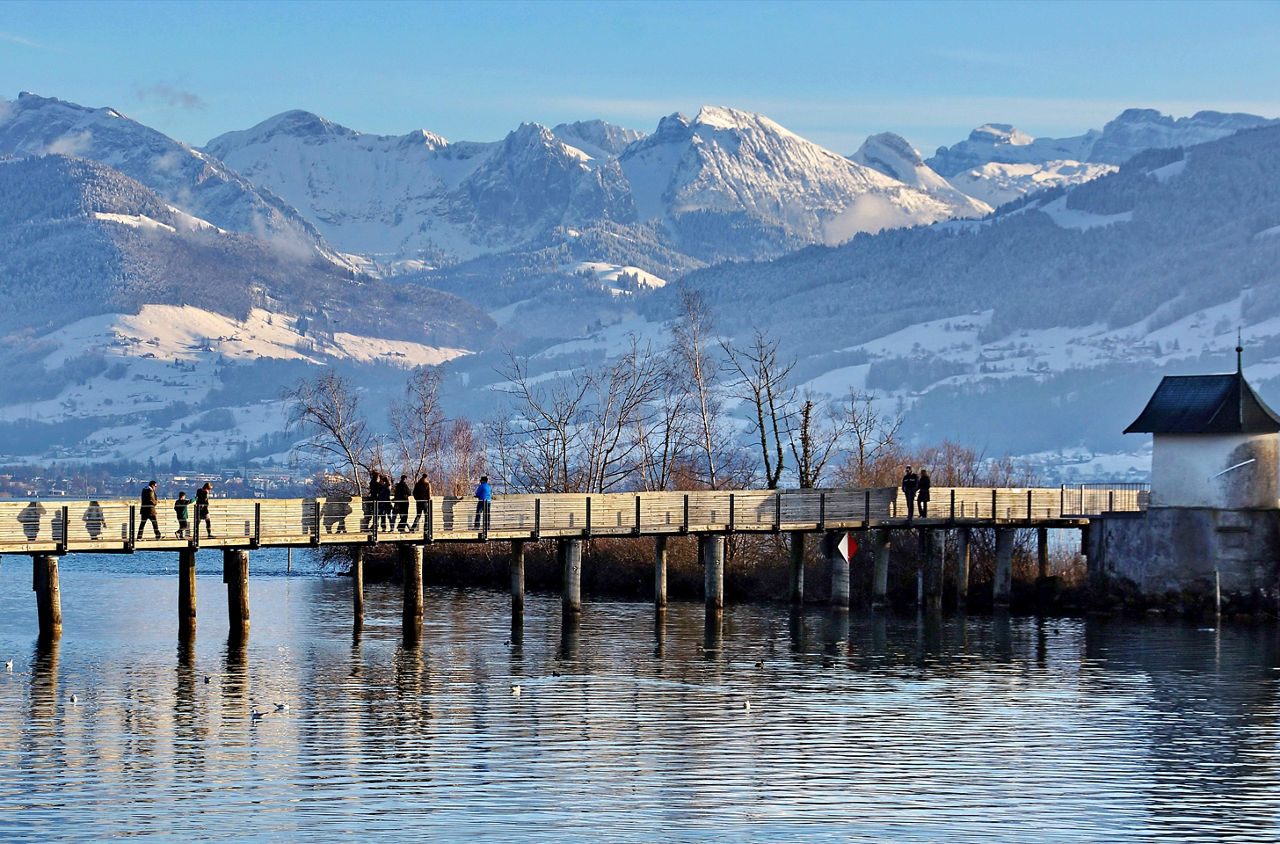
column 1213, row 523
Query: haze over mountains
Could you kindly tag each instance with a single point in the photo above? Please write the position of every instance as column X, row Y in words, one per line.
column 164, row 290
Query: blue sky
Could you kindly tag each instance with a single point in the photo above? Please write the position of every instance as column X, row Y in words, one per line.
column 832, row 72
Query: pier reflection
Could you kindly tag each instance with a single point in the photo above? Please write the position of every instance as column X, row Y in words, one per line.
column 623, row 711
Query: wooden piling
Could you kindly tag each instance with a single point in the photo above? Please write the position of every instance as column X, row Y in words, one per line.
column 411, row 574
column 797, row 567
column 44, row 581
column 186, row 594
column 659, row 572
column 839, row 571
column 235, row 573
column 962, row 566
column 357, row 587
column 1042, row 553
column 712, row 553
column 880, row 575
column 933, row 547
column 1002, row 586
column 571, row 589
column 517, row 576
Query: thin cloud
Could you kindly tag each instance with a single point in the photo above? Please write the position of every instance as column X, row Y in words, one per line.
column 27, row 42
column 170, row 97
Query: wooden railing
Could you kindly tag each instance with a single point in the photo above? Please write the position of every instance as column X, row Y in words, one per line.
column 59, row 526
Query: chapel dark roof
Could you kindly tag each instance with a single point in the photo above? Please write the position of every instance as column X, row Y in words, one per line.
column 1205, row 404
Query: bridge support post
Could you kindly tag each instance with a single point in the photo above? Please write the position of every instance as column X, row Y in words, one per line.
column 411, row 573
column 44, row 582
column 711, row 548
column 186, row 594
column 880, row 574
column 1042, row 553
column 1002, row 585
column 962, row 566
column 357, row 587
column 659, row 572
column 235, row 573
column 517, row 577
column 839, row 572
column 934, row 548
column 797, row 567
column 571, row 563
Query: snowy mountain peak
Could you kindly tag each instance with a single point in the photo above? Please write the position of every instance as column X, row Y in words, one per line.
column 195, row 182
column 1000, row 133
column 724, row 117
column 891, row 154
column 301, row 124
column 596, row 137
column 896, row 158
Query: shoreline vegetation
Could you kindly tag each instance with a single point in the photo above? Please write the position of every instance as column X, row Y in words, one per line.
column 757, row 570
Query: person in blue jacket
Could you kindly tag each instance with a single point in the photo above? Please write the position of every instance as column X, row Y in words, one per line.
column 483, row 494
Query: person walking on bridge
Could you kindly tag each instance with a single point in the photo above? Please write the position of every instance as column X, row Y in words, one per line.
column 402, row 504
column 147, row 511
column 180, row 509
column 922, row 493
column 202, row 510
column 421, row 494
column 910, row 482
column 484, row 493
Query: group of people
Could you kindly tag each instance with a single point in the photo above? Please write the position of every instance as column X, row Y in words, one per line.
column 181, row 508
column 389, row 505
column 916, row 489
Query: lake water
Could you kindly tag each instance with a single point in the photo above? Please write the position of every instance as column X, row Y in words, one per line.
column 837, row 727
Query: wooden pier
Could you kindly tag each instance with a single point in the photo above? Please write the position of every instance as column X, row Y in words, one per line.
column 47, row 530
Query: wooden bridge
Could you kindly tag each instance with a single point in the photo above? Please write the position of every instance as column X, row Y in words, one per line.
column 50, row 529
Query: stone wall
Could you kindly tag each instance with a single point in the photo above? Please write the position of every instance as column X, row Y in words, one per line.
column 1187, row 470
column 1172, row 554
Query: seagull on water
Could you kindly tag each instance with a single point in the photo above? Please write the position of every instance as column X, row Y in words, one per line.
column 208, row 679
column 515, row 691
column 8, row 666
column 74, row 700
column 282, row 707
column 254, row 714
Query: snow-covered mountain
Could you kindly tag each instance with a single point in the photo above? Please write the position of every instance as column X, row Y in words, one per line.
column 133, row 323
column 416, row 199
column 185, row 178
column 727, row 183
column 998, row 163
column 894, row 156
column 1046, row 325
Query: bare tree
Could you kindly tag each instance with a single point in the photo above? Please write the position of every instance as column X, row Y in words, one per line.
column 622, row 394
column 662, row 433
column 461, row 458
column 762, row 382
column 417, row 423
column 873, row 443
column 545, row 435
column 814, row 441
column 328, row 410
column 691, row 335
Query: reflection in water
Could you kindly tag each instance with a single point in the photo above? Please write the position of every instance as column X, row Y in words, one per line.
column 796, row 629
column 754, row 723
column 570, row 627
column 659, row 632
column 713, row 633
column 517, row 634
